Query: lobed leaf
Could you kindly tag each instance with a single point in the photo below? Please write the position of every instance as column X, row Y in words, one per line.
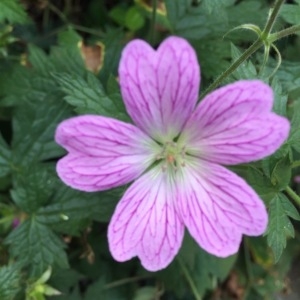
column 280, row 226
column 88, row 96
column 37, row 247
column 10, row 278
column 13, row 11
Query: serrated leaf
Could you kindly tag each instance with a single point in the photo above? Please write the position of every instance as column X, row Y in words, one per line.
column 214, row 5
column 280, row 226
column 33, row 187
column 280, row 98
column 294, row 137
column 282, row 173
column 70, row 210
column 5, row 157
column 246, row 70
column 13, row 11
column 289, row 208
column 260, row 183
column 195, row 22
column 34, row 127
column 218, row 59
column 37, row 247
column 10, row 278
column 88, row 96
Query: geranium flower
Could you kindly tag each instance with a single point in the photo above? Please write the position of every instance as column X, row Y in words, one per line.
column 174, row 155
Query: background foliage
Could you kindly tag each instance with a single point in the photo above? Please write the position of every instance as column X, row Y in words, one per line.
column 59, row 59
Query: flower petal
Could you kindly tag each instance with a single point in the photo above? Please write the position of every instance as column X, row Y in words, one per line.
column 145, row 223
column 218, row 207
column 160, row 88
column 103, row 152
column 235, row 124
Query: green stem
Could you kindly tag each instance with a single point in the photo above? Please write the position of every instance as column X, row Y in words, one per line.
column 248, row 261
column 125, row 281
column 293, row 195
column 255, row 46
column 86, row 29
column 296, row 164
column 283, row 33
column 272, row 18
column 55, row 10
column 153, row 21
column 189, row 279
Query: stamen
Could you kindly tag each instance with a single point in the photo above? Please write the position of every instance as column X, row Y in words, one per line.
column 173, row 156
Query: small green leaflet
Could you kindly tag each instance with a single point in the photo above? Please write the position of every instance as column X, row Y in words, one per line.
column 10, row 278
column 13, row 11
column 88, row 95
column 280, row 226
column 33, row 187
column 280, row 98
column 34, row 128
column 37, row 247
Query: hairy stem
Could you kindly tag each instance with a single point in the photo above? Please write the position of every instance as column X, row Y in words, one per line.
column 255, row 46
column 283, row 33
column 272, row 18
column 293, row 195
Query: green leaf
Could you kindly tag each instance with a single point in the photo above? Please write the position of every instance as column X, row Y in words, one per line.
column 246, row 70
column 69, row 39
column 280, row 97
column 195, row 22
column 5, row 157
column 34, row 127
column 64, row 279
column 280, row 226
column 71, row 209
column 214, row 5
column 13, row 11
column 218, row 59
column 134, row 20
column 294, row 137
column 98, row 288
column 37, row 247
column 290, row 13
column 147, row 293
column 282, row 173
column 260, row 183
column 33, row 187
column 88, row 95
column 113, row 48
column 10, row 278
column 204, row 269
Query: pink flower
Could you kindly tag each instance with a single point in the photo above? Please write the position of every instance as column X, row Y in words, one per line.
column 174, row 154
